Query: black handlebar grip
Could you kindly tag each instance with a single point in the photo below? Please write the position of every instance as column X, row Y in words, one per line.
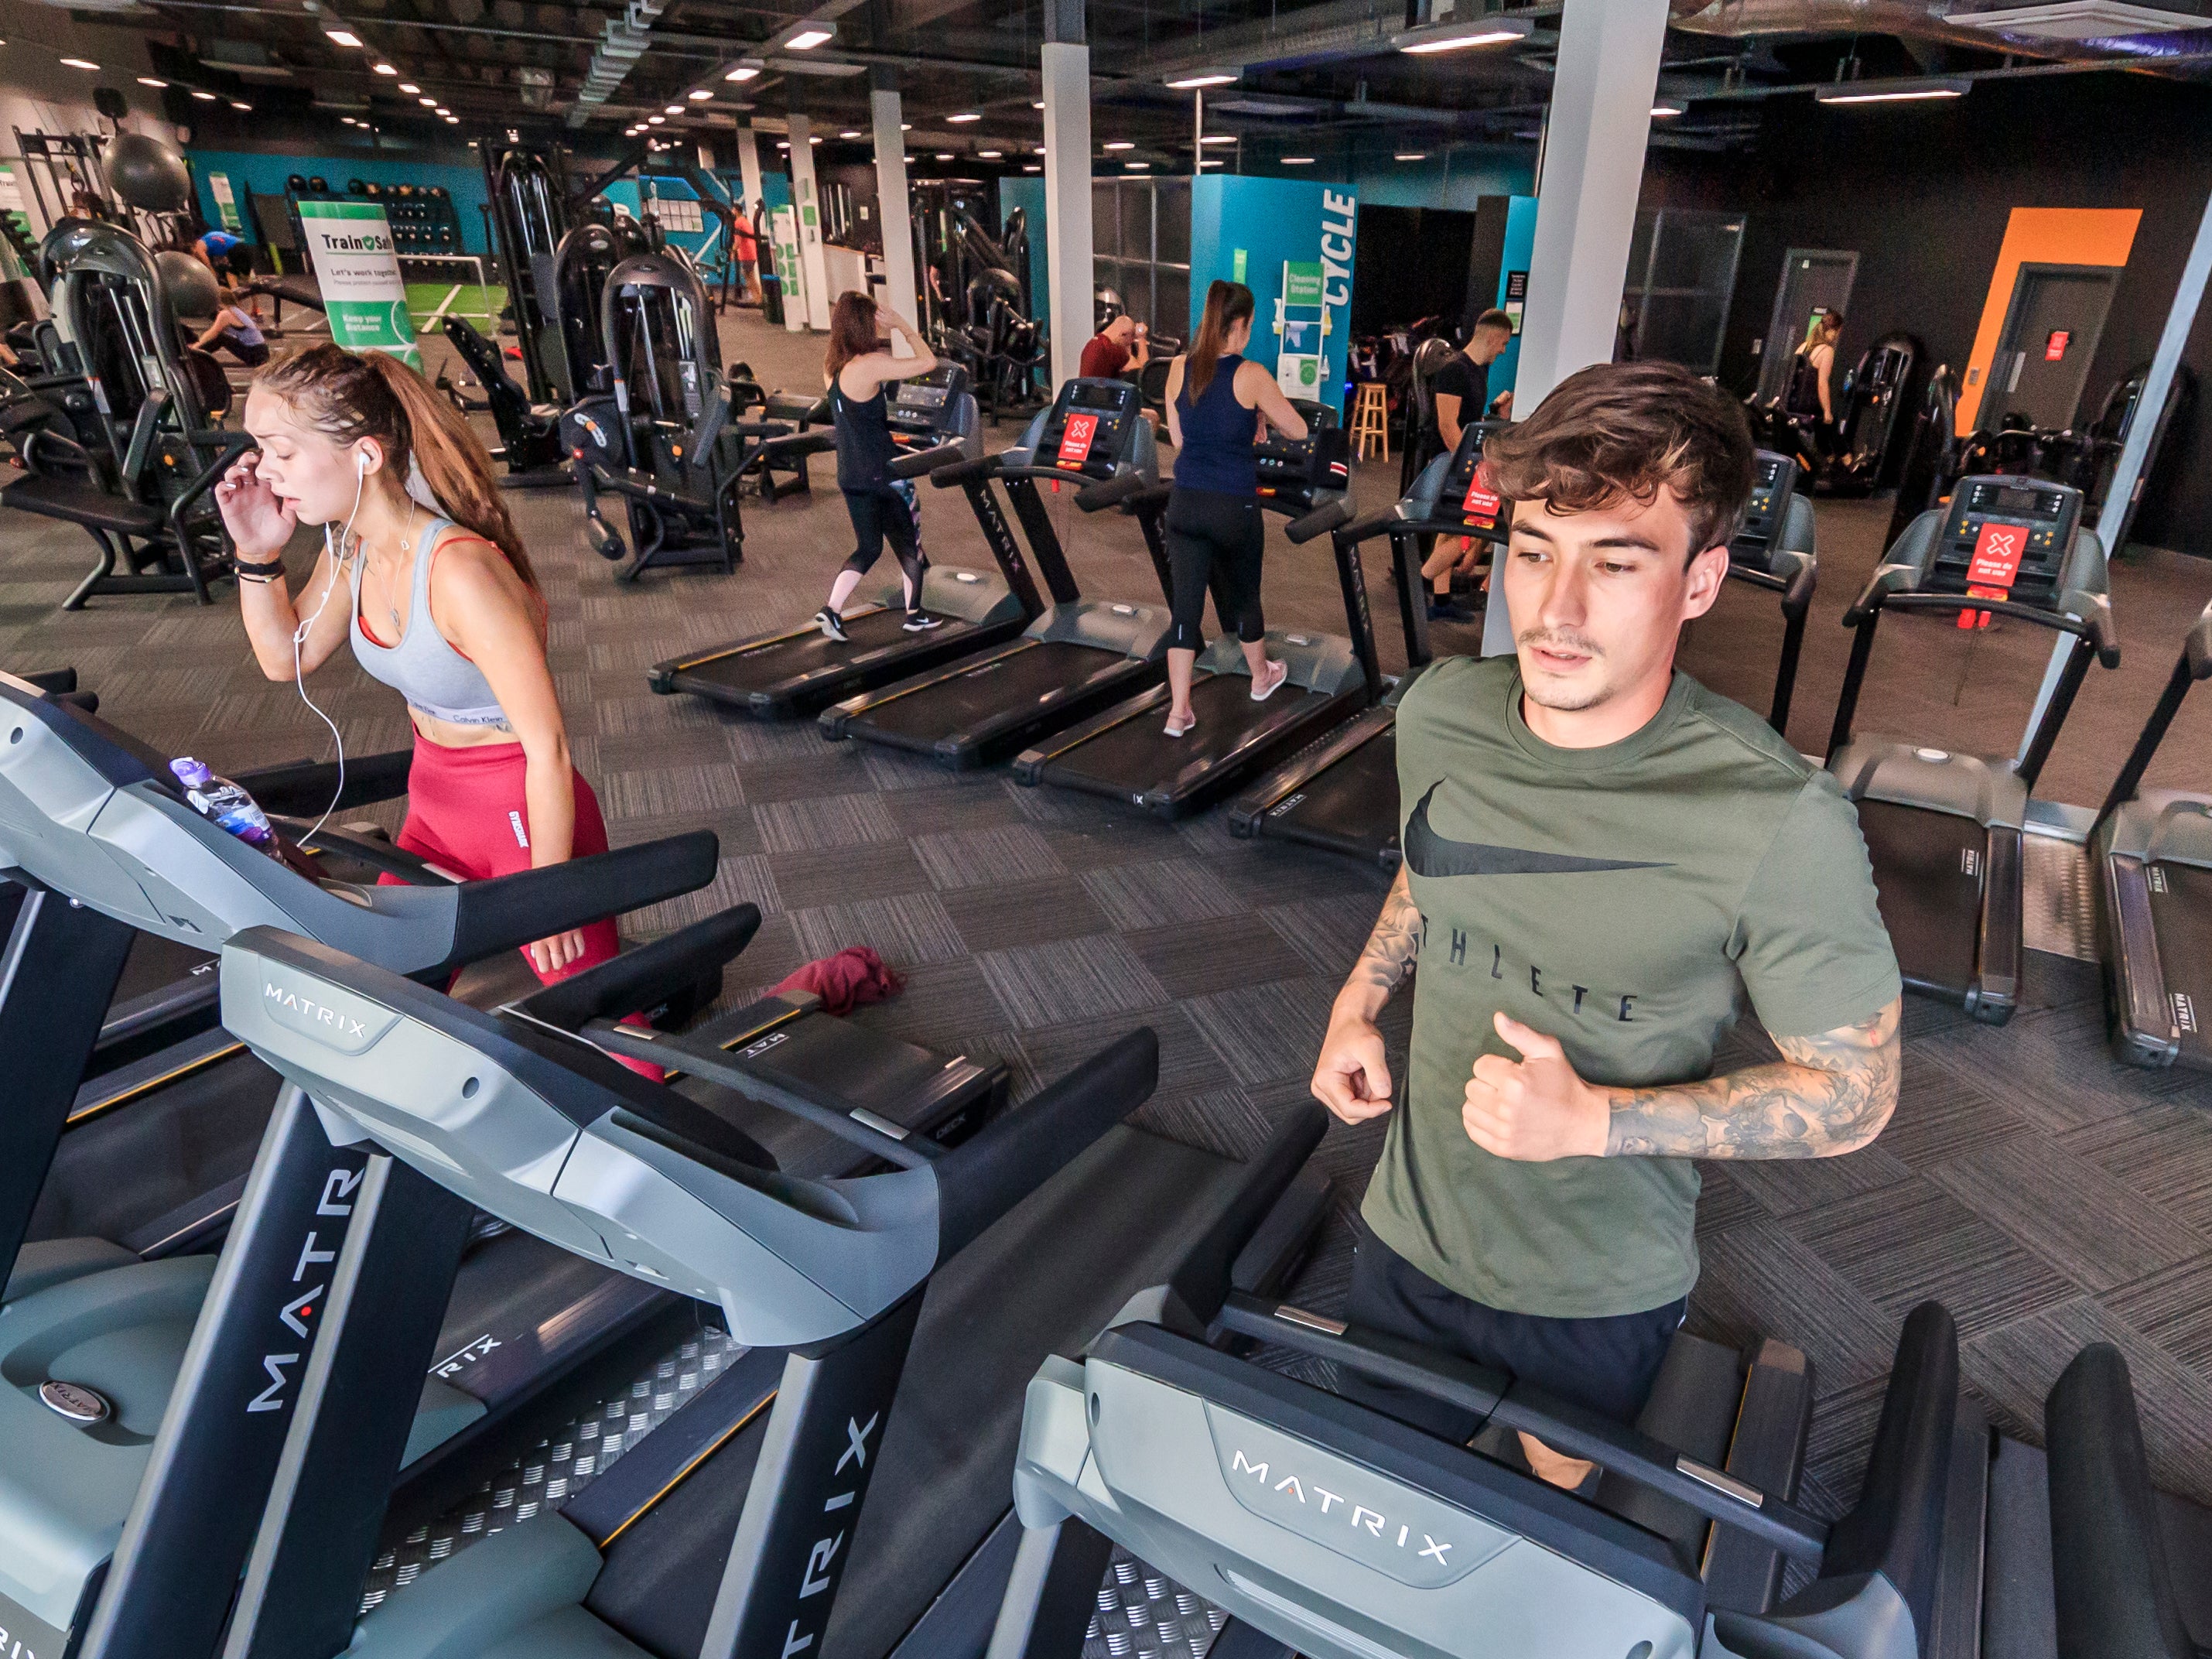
column 508, row 912
column 648, row 975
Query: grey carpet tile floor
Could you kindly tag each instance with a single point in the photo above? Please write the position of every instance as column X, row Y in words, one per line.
column 2049, row 1196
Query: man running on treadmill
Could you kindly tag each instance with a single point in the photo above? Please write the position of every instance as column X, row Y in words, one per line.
column 1602, row 858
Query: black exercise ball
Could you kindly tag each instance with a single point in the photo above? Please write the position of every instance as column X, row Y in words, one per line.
column 147, row 173
column 296, row 183
column 355, row 187
column 188, row 285
column 320, row 185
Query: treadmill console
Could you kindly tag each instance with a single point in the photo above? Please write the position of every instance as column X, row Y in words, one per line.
column 2006, row 539
column 1298, row 475
column 1092, row 429
column 1774, row 480
column 925, row 408
column 1455, row 494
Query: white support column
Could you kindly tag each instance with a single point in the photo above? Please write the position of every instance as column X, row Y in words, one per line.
column 1067, row 201
column 749, row 171
column 805, row 199
column 1592, row 172
column 892, row 205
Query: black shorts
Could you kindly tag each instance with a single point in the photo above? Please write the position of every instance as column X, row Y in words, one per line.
column 1605, row 1366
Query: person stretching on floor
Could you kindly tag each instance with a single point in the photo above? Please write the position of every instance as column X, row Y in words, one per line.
column 1219, row 407
column 440, row 603
column 1603, row 862
column 858, row 366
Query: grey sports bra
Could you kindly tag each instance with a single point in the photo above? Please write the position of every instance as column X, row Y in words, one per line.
column 422, row 667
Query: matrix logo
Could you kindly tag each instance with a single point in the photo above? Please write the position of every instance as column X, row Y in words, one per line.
column 318, row 1014
column 331, row 1017
column 22, row 1636
column 2185, row 1010
column 1348, row 1510
column 822, row 1566
column 297, row 1315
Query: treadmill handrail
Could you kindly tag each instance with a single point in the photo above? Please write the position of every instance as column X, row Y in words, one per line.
column 1325, row 518
column 2196, row 650
column 1569, row 1428
column 1111, row 492
column 2094, row 625
column 298, row 788
column 920, row 463
column 646, row 976
column 506, row 912
column 966, row 472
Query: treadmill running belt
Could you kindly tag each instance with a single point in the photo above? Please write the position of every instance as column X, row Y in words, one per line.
column 1036, row 1285
column 1013, row 680
column 1351, row 807
column 1927, row 876
column 771, row 662
column 2180, row 910
column 1137, row 756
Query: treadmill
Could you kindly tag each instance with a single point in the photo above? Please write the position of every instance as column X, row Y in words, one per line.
column 798, row 671
column 95, row 1328
column 1122, row 752
column 849, row 1459
column 1341, row 793
column 1080, row 655
column 1944, row 829
column 2153, row 853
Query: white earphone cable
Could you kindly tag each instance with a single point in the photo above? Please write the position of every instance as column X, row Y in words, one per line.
column 339, row 556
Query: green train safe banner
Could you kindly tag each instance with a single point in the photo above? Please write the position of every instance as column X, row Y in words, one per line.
column 350, row 248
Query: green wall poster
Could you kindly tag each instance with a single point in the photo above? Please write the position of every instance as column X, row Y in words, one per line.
column 350, row 247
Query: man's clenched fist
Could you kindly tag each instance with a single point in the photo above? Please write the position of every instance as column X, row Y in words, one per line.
column 1535, row 1109
column 1352, row 1078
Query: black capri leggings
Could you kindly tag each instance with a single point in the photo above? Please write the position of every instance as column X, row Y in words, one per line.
column 887, row 512
column 1214, row 542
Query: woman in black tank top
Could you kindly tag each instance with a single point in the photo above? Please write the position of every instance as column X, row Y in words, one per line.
column 1810, row 370
column 860, row 365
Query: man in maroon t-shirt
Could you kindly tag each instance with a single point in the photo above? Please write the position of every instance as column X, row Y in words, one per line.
column 1120, row 345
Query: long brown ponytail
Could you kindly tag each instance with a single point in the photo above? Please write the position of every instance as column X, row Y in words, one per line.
column 1227, row 304
column 348, row 396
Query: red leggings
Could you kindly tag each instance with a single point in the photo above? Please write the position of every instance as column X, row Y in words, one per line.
column 466, row 813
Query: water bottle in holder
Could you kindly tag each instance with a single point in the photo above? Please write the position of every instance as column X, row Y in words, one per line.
column 217, row 798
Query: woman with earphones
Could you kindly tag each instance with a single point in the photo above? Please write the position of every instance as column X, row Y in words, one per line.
column 426, row 577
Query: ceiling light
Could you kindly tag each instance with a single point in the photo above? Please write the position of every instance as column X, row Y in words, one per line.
column 81, row 63
column 848, row 134
column 1138, row 167
column 204, row 97
column 385, row 69
column 1888, row 92
column 673, row 109
column 248, row 108
column 964, row 115
column 151, row 81
column 2076, row 20
column 1457, row 37
column 813, row 141
column 944, row 155
column 1037, row 103
column 656, row 121
column 427, row 101
column 781, row 143
column 1191, row 80
column 1410, row 155
column 700, row 94
column 906, row 126
column 1663, row 109
column 1120, row 143
column 1031, row 167
column 1218, row 138
column 343, row 37
column 346, row 120
column 1208, row 161
column 743, row 72
column 990, row 155
column 452, row 120
column 409, row 87
column 442, row 110
column 811, row 35
column 1298, row 161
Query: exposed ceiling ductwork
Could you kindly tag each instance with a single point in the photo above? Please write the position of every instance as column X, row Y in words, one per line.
column 621, row 42
column 2123, row 32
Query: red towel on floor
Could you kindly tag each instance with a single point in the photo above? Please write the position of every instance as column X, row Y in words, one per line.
column 855, row 976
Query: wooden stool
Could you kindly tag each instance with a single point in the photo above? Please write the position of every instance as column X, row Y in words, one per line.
column 1371, row 422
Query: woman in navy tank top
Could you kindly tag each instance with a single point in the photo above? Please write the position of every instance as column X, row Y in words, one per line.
column 1219, row 407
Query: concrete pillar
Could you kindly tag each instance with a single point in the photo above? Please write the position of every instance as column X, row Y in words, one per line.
column 891, row 202
column 1592, row 172
column 1067, row 63
column 812, row 266
column 749, row 171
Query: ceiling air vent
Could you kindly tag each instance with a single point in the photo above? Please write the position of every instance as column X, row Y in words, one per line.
column 2079, row 20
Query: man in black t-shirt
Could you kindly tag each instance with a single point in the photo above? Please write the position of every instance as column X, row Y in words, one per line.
column 1459, row 392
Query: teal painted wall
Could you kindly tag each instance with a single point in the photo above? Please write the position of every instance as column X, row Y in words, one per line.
column 1520, row 244
column 1272, row 221
column 1028, row 194
column 265, row 176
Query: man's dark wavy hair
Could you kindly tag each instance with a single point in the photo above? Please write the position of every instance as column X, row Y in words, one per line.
column 1619, row 432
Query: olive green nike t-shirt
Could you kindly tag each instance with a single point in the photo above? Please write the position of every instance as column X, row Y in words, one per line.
column 1625, row 900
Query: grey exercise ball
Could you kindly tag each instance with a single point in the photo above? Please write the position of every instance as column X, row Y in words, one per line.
column 189, row 284
column 147, row 173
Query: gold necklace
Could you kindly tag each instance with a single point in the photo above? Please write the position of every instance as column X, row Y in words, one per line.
column 391, row 589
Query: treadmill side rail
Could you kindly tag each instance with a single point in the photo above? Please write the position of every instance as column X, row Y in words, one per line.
column 2143, row 1028
column 1994, row 993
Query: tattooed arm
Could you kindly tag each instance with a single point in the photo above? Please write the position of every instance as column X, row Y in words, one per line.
column 1352, row 1078
column 1828, row 1094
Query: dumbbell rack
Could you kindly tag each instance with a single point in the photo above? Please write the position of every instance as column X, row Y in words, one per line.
column 426, row 225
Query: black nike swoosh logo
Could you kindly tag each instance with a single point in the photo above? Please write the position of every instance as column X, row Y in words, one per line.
column 1428, row 854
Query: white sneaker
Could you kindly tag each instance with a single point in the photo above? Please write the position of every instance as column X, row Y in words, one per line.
column 1261, row 691
column 831, row 624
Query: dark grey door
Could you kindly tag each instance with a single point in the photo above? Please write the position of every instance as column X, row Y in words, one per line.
column 2050, row 332
column 1814, row 281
